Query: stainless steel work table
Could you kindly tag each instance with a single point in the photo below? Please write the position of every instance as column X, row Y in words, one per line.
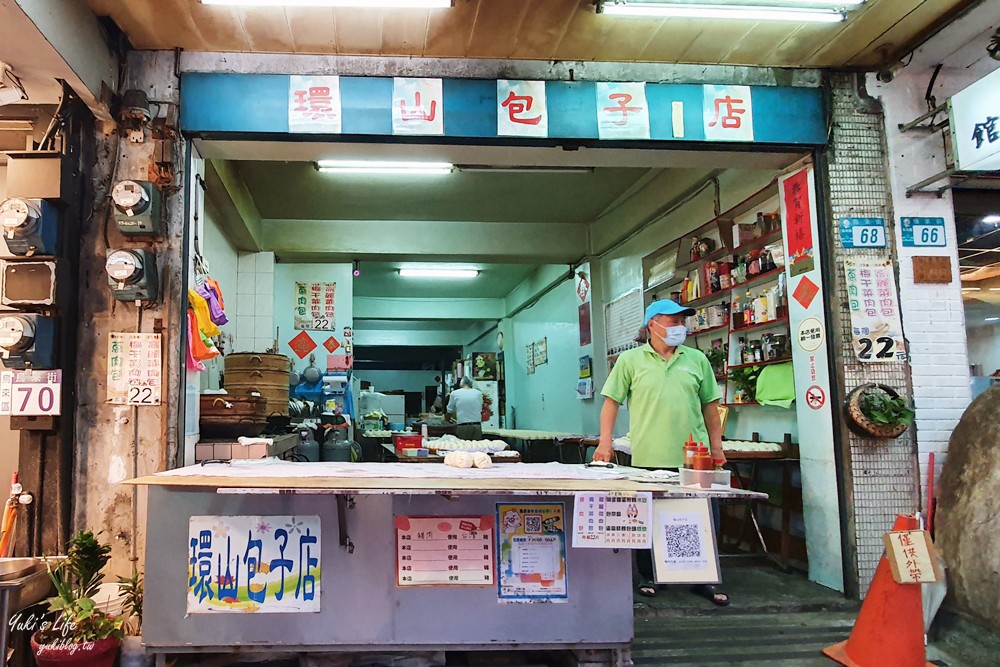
column 362, row 609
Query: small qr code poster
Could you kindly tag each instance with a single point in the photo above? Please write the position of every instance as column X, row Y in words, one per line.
column 684, row 546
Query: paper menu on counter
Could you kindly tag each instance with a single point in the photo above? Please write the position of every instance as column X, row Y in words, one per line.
column 532, row 558
column 444, row 551
column 612, row 520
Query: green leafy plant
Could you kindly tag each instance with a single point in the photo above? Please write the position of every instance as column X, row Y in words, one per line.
column 76, row 580
column 881, row 408
column 717, row 358
column 745, row 379
column 131, row 589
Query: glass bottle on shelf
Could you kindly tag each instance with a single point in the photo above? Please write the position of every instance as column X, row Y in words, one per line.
column 736, row 314
column 743, row 351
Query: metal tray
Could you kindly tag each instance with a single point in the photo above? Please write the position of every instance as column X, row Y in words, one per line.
column 15, row 568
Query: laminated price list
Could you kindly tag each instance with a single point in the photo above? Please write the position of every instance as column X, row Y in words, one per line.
column 445, row 551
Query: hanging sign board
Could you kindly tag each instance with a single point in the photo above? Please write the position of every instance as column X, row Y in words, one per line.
column 316, row 306
column 876, row 327
column 31, row 393
column 135, row 369
column 923, row 233
column 532, row 558
column 444, row 551
column 974, row 115
column 612, row 521
column 912, row 557
column 862, row 233
column 253, row 564
column 314, row 104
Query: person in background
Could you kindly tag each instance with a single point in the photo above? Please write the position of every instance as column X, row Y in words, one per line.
column 672, row 394
column 466, row 404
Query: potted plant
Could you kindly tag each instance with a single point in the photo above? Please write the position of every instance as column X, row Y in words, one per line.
column 82, row 634
column 717, row 358
column 877, row 411
column 745, row 381
column 131, row 591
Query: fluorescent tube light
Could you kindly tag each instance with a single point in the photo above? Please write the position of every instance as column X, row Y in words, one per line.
column 364, row 4
column 992, row 219
column 741, row 12
column 438, row 273
column 993, row 319
column 383, row 167
column 971, row 289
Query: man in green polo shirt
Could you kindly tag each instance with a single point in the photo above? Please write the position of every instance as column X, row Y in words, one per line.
column 672, row 393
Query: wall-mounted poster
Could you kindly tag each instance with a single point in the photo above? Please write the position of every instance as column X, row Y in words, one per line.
column 444, row 551
column 316, row 306
column 484, row 366
column 541, row 352
column 253, row 564
column 876, row 327
column 530, row 359
column 532, row 566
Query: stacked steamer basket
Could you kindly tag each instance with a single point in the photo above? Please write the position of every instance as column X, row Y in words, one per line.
column 264, row 374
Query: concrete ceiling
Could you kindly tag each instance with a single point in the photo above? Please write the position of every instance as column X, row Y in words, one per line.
column 296, row 190
column 531, row 30
column 495, row 281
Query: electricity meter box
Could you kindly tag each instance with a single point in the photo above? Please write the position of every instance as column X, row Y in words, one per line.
column 29, row 226
column 31, row 284
column 27, row 341
column 133, row 275
column 137, row 208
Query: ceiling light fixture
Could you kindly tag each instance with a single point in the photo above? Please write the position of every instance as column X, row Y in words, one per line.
column 993, row 319
column 775, row 11
column 383, row 167
column 11, row 88
column 992, row 219
column 488, row 168
column 972, row 289
column 363, row 4
column 438, row 273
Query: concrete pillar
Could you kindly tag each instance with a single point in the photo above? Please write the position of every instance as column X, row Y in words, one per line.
column 114, row 443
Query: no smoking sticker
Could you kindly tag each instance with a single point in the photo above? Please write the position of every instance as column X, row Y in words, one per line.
column 815, row 397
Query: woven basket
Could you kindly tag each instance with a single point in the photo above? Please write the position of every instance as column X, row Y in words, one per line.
column 862, row 425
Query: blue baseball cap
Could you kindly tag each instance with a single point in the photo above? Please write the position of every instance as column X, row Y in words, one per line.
column 666, row 307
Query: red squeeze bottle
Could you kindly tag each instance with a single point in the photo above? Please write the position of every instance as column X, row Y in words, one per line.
column 703, row 460
column 689, row 451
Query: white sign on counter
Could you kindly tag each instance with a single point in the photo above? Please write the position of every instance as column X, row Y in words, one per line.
column 612, row 520
column 444, row 551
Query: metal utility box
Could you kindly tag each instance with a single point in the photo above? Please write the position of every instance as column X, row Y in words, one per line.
column 137, row 208
column 27, row 340
column 133, row 275
column 37, row 175
column 30, row 284
column 30, row 226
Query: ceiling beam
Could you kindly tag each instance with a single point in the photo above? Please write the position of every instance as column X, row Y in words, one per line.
column 407, row 240
column 228, row 193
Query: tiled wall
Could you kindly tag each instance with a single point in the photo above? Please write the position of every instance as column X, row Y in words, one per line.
column 255, row 302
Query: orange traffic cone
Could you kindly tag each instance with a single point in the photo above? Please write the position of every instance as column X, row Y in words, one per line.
column 890, row 626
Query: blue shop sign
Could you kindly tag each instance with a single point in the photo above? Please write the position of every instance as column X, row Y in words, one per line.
column 862, row 233
column 924, row 233
column 273, row 104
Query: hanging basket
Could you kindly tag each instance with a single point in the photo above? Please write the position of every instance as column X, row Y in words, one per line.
column 859, row 423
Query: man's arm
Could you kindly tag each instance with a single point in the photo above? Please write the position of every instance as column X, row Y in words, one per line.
column 714, row 425
column 609, row 413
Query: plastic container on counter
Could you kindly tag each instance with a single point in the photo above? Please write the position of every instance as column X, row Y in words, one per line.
column 706, row 479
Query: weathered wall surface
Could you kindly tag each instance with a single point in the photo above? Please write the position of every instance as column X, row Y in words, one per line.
column 968, row 517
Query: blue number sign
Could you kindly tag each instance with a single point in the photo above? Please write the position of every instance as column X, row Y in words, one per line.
column 924, row 233
column 862, row 233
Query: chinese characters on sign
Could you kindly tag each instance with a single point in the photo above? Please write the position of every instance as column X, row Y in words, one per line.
column 728, row 113
column 521, row 109
column 923, row 232
column 876, row 327
column 31, row 393
column 974, row 114
column 262, row 564
column 316, row 306
column 445, row 551
column 532, row 565
column 612, row 520
column 622, row 112
column 417, row 106
column 314, row 104
column 862, row 233
column 912, row 557
column 810, row 334
column 798, row 223
column 135, row 369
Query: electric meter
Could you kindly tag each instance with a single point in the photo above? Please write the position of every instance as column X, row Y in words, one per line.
column 29, row 226
column 137, row 208
column 132, row 275
column 27, row 340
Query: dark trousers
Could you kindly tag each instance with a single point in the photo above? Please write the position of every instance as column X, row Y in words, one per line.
column 469, row 431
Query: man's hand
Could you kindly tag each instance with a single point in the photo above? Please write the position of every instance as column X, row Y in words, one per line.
column 605, row 452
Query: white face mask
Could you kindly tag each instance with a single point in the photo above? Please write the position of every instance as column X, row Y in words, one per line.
column 674, row 336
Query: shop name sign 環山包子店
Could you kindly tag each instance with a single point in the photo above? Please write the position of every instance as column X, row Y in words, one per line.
column 274, row 104
column 975, row 125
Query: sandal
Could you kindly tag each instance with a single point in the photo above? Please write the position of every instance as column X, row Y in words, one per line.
column 708, row 592
column 647, row 589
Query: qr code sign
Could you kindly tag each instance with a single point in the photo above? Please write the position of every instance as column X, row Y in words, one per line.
column 683, row 540
column 533, row 523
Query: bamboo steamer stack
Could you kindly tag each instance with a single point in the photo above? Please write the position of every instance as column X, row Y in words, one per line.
column 265, row 374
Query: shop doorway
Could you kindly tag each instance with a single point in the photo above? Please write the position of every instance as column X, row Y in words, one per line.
column 977, row 219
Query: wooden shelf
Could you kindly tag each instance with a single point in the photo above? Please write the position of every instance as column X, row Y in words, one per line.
column 769, row 362
column 669, row 282
column 703, row 300
column 758, row 242
column 759, row 278
column 723, row 377
column 769, row 323
column 695, row 334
